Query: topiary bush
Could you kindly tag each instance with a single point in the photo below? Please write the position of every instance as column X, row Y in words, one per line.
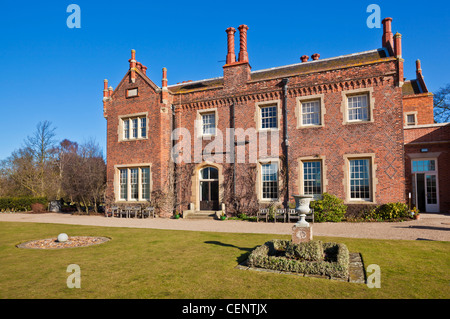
column 328, row 209
column 311, row 258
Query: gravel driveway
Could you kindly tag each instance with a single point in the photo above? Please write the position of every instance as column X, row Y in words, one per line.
column 429, row 227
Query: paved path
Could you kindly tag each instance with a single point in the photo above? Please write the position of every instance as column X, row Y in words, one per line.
column 429, row 227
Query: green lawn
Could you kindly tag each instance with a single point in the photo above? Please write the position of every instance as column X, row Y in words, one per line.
column 164, row 264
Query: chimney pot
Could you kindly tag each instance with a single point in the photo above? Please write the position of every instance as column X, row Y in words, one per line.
column 164, row 77
column 315, row 56
column 304, row 58
column 387, row 39
column 398, row 45
column 243, row 54
column 133, row 65
column 105, row 88
column 418, row 68
column 231, row 56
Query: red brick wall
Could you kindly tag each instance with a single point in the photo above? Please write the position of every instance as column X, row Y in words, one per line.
column 422, row 104
column 384, row 136
column 155, row 149
column 436, row 140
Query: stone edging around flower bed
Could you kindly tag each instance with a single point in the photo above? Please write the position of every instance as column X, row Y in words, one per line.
column 356, row 270
column 72, row 242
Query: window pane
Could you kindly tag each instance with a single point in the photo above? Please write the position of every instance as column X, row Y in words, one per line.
column 143, row 127
column 269, row 117
column 431, row 189
column 358, row 108
column 209, row 124
column 311, row 113
column 270, row 181
column 126, row 129
column 134, row 127
column 312, row 178
column 359, row 179
column 145, row 183
column 424, row 165
column 209, row 173
column 123, row 183
column 411, row 119
column 134, row 183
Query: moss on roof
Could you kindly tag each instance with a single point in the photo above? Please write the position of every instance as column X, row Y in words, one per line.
column 286, row 71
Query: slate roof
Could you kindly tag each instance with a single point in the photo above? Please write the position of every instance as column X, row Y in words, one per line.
column 288, row 70
column 411, row 87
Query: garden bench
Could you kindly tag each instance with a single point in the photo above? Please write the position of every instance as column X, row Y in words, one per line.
column 262, row 213
column 114, row 211
column 279, row 213
column 148, row 212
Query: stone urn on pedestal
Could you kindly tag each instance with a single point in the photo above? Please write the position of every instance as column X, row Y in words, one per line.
column 302, row 231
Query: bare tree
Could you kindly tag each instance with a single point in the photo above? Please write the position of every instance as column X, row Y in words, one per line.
column 441, row 101
column 83, row 174
column 41, row 146
column 19, row 173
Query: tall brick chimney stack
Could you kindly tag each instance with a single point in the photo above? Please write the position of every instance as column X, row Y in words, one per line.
column 105, row 88
column 418, row 68
column 398, row 45
column 243, row 54
column 231, row 56
column 398, row 54
column 387, row 39
column 236, row 74
column 110, row 91
column 133, row 65
column 165, row 91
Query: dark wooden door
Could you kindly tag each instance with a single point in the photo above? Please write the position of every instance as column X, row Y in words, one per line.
column 209, row 195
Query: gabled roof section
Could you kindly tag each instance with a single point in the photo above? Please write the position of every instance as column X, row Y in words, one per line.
column 146, row 79
column 411, row 87
column 343, row 61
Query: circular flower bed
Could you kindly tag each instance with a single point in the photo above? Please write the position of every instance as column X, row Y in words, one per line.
column 72, row 242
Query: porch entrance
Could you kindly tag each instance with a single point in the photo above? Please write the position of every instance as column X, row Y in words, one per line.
column 425, row 185
column 209, row 188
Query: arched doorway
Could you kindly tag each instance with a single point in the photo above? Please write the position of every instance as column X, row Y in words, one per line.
column 209, row 188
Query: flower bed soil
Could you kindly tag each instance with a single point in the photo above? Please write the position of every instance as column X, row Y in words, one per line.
column 72, row 242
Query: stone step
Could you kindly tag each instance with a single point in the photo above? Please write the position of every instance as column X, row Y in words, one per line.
column 201, row 215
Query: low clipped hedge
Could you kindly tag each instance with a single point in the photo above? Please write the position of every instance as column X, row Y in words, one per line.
column 311, row 258
column 372, row 212
column 20, row 204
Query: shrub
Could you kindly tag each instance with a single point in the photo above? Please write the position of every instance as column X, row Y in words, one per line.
column 275, row 255
column 390, row 211
column 17, row 204
column 328, row 209
column 312, row 251
column 358, row 212
column 37, row 208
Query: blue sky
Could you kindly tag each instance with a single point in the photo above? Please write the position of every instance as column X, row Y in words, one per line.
column 51, row 72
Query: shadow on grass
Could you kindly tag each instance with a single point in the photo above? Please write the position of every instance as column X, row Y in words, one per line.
column 239, row 259
column 425, row 227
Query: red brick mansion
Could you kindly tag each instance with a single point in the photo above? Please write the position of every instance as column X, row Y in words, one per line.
column 349, row 125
